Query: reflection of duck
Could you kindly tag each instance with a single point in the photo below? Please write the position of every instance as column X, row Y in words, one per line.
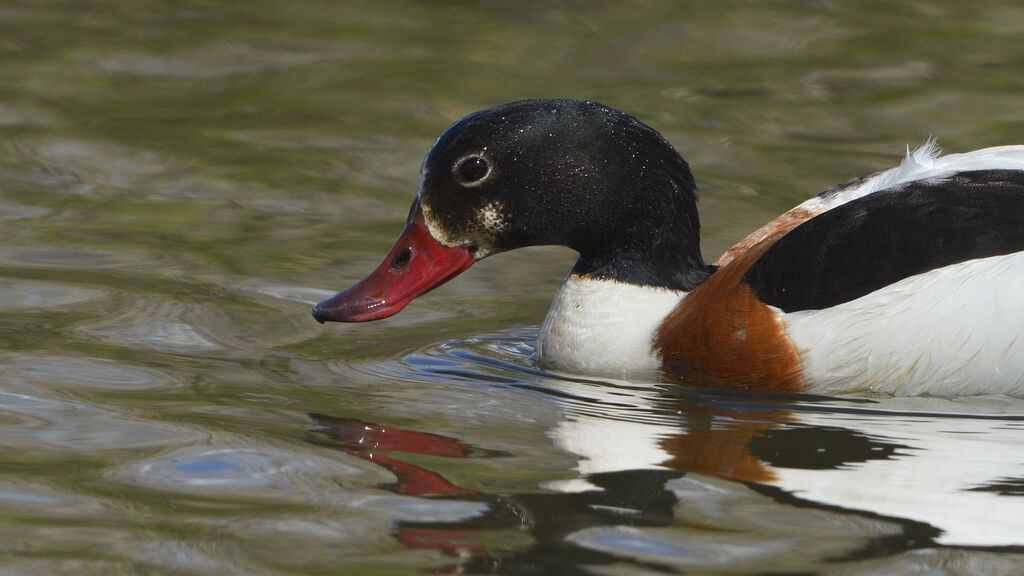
column 910, row 280
column 953, row 466
column 810, row 488
column 552, row 532
column 691, row 478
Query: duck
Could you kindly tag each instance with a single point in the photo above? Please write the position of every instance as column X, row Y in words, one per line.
column 907, row 281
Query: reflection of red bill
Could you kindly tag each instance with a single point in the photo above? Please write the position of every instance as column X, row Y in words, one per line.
column 416, row 264
column 370, row 442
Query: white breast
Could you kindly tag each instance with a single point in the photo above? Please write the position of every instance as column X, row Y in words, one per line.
column 950, row 331
column 603, row 327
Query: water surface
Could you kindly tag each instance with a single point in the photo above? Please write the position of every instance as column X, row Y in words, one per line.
column 179, row 182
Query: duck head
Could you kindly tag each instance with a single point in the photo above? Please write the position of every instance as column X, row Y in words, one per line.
column 540, row 172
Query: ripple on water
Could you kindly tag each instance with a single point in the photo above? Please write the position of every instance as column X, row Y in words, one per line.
column 23, row 113
column 211, row 62
column 68, row 371
column 37, row 412
column 244, row 469
column 24, row 294
column 327, row 536
column 37, row 500
column 202, row 556
column 302, row 294
column 166, row 326
column 76, row 258
column 42, row 422
column 15, row 211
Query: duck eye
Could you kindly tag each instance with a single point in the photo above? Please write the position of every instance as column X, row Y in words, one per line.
column 472, row 170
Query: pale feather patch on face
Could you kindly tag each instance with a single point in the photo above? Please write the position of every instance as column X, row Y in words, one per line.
column 491, row 217
column 488, row 223
column 604, row 327
column 951, row 331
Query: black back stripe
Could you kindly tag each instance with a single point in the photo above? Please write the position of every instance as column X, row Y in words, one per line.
column 871, row 242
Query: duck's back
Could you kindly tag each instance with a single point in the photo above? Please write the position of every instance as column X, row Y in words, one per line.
column 909, row 281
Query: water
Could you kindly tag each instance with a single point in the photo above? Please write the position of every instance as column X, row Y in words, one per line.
column 179, row 182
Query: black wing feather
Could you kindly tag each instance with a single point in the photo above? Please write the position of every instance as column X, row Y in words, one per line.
column 868, row 243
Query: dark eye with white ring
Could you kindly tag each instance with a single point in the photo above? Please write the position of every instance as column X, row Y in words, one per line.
column 472, row 170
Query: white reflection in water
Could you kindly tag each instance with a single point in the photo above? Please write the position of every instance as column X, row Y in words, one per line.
column 952, row 464
column 957, row 473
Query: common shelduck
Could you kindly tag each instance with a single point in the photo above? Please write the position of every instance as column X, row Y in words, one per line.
column 906, row 281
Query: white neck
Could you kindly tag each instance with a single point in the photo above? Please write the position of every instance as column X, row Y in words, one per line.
column 604, row 327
